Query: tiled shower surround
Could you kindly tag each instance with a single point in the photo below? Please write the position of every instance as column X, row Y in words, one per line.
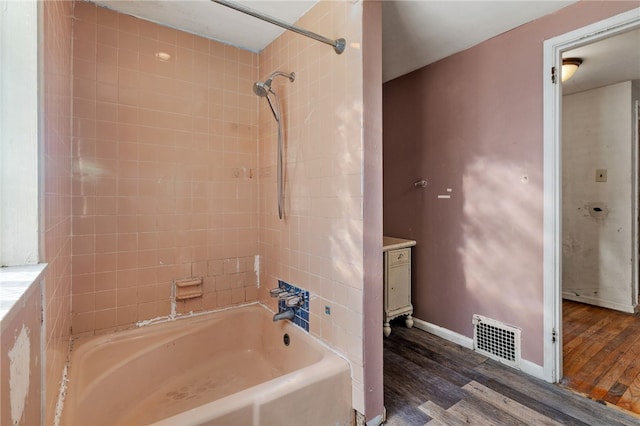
column 319, row 245
column 56, row 214
column 174, row 173
column 164, row 177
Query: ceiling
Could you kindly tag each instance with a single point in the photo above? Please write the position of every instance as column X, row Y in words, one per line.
column 415, row 33
column 214, row 21
column 605, row 62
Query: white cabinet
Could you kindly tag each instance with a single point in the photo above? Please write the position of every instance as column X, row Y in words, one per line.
column 397, row 281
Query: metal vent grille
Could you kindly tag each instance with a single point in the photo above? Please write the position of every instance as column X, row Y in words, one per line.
column 496, row 340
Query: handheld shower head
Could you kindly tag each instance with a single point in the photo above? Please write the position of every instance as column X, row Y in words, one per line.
column 262, row 89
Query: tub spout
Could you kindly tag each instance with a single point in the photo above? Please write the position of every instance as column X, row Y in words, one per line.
column 286, row 314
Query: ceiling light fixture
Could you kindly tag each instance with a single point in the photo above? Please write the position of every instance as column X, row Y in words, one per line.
column 569, row 67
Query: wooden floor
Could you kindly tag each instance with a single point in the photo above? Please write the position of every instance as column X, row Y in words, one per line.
column 601, row 354
column 428, row 380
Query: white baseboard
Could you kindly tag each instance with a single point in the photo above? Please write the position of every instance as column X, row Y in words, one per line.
column 630, row 309
column 446, row 334
column 532, row 369
column 526, row 366
column 377, row 421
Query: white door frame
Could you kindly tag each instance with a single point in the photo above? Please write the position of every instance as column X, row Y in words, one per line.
column 552, row 172
column 635, row 240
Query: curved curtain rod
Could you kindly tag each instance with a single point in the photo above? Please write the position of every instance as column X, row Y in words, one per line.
column 338, row 45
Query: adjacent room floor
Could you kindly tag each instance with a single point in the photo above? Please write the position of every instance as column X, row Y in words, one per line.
column 428, row 380
column 601, row 354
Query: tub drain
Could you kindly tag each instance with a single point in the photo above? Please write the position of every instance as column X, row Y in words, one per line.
column 286, row 339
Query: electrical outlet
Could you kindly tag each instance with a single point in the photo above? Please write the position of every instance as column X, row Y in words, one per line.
column 601, row 175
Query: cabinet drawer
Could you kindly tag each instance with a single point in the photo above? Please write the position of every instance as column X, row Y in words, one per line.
column 399, row 257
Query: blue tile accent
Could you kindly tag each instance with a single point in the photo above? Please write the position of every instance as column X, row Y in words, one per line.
column 302, row 313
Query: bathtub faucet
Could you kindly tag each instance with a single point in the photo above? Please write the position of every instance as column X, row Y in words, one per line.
column 288, row 313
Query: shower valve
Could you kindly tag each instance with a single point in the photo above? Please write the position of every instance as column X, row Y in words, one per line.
column 293, row 301
column 276, row 292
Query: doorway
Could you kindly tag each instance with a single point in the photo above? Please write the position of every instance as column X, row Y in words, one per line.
column 600, row 334
column 554, row 223
column 599, row 237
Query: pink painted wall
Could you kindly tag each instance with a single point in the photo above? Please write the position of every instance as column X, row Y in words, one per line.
column 56, row 211
column 472, row 123
column 164, row 170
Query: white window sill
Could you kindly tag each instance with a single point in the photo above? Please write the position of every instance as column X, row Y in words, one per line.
column 14, row 283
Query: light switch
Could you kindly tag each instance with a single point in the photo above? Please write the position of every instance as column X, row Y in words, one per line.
column 601, row 175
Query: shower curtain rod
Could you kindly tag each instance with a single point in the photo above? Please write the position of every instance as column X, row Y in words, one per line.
column 338, row 45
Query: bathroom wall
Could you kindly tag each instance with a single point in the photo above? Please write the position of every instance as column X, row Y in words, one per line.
column 319, row 244
column 21, row 362
column 598, row 133
column 164, row 170
column 56, row 201
column 472, row 123
column 35, row 333
column 372, row 208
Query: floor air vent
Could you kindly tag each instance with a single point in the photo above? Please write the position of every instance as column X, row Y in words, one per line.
column 496, row 340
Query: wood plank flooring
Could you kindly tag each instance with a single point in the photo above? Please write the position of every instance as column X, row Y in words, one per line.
column 601, row 354
column 428, row 380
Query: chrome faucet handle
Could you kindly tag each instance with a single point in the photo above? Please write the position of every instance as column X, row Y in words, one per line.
column 283, row 295
column 275, row 292
column 294, row 301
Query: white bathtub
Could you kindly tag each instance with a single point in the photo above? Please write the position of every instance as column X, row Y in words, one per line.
column 225, row 368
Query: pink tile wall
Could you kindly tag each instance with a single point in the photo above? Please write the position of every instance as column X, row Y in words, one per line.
column 164, row 177
column 56, row 214
column 319, row 244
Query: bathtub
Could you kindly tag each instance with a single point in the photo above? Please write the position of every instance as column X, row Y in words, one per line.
column 225, row 368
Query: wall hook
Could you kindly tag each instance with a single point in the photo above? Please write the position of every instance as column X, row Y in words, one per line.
column 420, row 183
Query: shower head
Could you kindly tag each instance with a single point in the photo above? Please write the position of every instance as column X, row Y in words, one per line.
column 262, row 89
